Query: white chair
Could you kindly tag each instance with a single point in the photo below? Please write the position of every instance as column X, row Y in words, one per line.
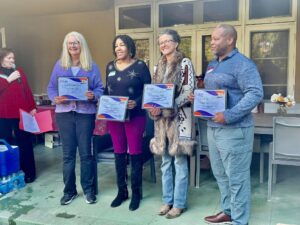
column 285, row 148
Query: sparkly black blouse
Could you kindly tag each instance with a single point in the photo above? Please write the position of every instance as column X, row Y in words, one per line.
column 128, row 82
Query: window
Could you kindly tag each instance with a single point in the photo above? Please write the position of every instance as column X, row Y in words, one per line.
column 142, row 50
column 270, row 52
column 173, row 14
column 207, row 54
column 135, row 17
column 221, row 10
column 186, row 46
column 270, row 8
column 197, row 12
column 144, row 45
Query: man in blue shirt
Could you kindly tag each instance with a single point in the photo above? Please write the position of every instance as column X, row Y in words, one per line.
column 230, row 133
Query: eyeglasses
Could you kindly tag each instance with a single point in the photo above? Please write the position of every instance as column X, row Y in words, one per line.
column 165, row 42
column 75, row 43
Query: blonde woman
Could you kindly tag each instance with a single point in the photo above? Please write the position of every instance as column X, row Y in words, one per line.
column 76, row 119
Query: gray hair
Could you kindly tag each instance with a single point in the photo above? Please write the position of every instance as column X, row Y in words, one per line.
column 173, row 33
column 229, row 30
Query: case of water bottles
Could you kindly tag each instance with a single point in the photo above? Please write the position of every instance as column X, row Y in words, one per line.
column 11, row 177
column 12, row 182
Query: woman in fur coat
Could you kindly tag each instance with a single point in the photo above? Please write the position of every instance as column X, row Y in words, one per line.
column 173, row 127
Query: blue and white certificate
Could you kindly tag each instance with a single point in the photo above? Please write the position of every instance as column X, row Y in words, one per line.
column 158, row 96
column 208, row 102
column 112, row 108
column 73, row 88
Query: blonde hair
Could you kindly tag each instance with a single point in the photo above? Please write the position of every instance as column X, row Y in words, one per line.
column 85, row 55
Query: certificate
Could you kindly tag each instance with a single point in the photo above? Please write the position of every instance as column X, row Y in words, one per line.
column 112, row 108
column 208, row 102
column 73, row 88
column 41, row 122
column 158, row 96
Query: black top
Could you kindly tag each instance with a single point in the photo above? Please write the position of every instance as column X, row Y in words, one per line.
column 128, row 82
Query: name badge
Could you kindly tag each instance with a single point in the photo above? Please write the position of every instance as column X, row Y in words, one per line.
column 112, row 73
column 210, row 69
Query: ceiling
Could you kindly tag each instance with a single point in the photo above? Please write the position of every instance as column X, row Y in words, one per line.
column 20, row 8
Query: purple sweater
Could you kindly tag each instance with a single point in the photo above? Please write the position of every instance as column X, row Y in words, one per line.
column 95, row 85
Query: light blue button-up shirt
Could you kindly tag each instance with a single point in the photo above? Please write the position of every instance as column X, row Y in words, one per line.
column 239, row 76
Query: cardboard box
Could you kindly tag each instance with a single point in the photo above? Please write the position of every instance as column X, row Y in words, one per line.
column 52, row 140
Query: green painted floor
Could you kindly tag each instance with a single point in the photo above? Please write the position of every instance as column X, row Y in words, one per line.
column 38, row 203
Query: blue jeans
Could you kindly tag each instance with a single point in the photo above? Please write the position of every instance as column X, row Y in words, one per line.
column 175, row 193
column 230, row 151
column 76, row 130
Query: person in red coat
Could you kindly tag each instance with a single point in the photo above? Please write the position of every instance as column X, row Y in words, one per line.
column 15, row 94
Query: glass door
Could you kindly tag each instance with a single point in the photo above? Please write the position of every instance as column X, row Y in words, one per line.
column 187, row 46
column 272, row 50
column 204, row 54
column 144, row 48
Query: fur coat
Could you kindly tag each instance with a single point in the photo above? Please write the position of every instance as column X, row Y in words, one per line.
column 175, row 126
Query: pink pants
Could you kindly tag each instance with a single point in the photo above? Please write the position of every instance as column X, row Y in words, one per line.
column 127, row 135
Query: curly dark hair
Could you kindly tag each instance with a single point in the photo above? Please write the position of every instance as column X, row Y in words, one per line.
column 128, row 41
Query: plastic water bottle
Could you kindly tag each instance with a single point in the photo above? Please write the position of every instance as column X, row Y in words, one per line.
column 4, row 185
column 12, row 182
column 16, row 181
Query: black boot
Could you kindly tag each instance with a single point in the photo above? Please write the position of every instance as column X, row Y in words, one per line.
column 136, row 181
column 121, row 169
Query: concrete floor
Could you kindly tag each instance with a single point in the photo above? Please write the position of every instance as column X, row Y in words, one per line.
column 38, row 203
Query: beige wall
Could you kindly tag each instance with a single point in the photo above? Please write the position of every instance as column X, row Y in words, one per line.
column 37, row 41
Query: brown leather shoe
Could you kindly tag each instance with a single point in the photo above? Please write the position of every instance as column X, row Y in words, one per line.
column 220, row 218
column 174, row 212
column 164, row 209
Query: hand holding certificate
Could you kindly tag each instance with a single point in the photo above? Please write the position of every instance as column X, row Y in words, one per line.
column 158, row 96
column 112, row 108
column 73, row 88
column 208, row 102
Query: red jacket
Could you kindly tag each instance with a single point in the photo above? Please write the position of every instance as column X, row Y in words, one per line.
column 14, row 96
